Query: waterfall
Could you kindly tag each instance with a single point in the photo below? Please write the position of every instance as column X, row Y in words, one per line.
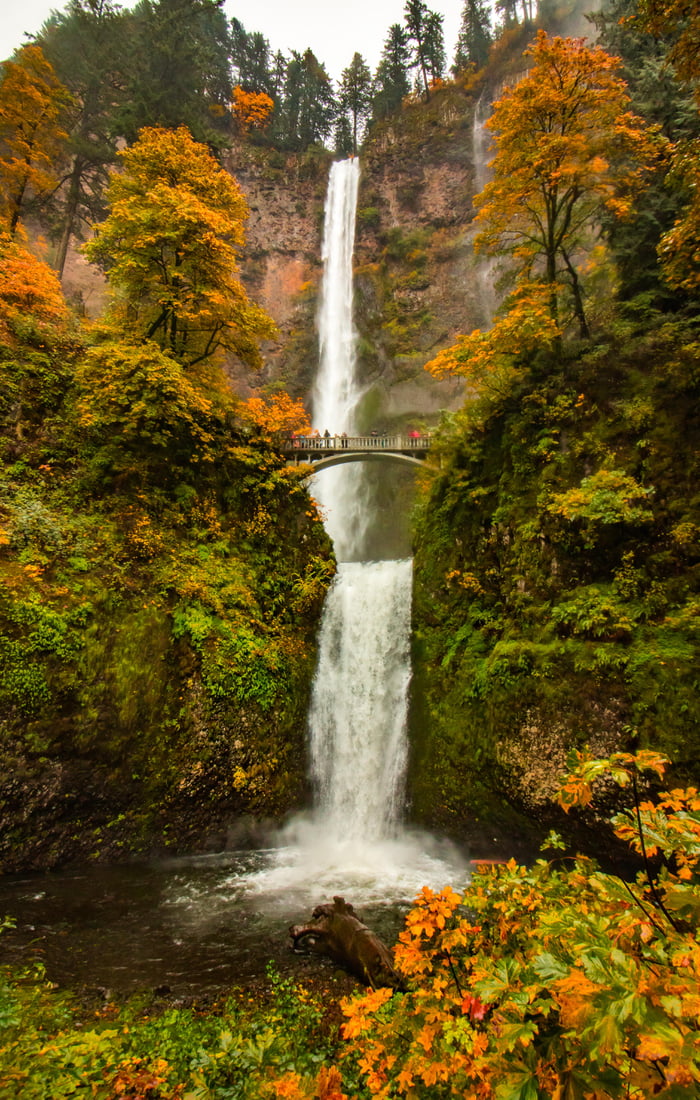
column 354, row 840
column 486, row 266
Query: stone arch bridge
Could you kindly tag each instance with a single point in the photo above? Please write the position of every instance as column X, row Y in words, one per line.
column 333, row 450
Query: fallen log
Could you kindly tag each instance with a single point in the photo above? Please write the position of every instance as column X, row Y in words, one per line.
column 336, row 932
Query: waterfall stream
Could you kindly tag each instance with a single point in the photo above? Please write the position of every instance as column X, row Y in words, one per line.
column 207, row 921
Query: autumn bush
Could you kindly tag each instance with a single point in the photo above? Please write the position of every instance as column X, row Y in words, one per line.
column 554, row 980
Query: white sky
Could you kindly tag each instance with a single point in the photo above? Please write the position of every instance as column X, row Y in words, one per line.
column 334, row 30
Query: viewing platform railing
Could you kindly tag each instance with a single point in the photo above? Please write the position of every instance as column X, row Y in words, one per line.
column 319, row 445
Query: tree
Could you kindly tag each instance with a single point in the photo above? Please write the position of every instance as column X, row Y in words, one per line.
column 170, row 247
column 567, row 150
column 662, row 98
column 309, row 107
column 33, row 105
column 250, row 59
column 355, row 96
column 177, row 68
column 83, row 44
column 424, row 29
column 391, row 79
column 475, row 36
column 251, row 110
column 276, row 414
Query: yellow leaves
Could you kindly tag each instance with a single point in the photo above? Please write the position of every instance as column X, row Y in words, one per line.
column 32, row 105
column 170, row 246
column 276, row 413
column 252, row 110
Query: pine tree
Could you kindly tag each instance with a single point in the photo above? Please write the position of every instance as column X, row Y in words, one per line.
column 355, row 98
column 424, row 29
column 391, row 82
column 84, row 43
column 475, row 36
column 177, row 68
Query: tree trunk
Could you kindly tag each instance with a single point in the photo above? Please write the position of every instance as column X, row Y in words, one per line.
column 336, row 932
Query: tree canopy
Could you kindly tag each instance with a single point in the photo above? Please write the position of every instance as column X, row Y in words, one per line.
column 170, row 247
column 567, row 149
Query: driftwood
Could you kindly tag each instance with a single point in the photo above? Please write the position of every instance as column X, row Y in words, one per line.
column 336, row 932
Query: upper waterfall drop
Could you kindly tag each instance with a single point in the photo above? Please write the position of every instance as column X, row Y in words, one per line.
column 336, row 390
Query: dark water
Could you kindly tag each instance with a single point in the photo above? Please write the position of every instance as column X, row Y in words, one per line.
column 191, row 924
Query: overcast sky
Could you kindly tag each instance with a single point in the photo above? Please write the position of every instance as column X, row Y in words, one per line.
column 334, row 29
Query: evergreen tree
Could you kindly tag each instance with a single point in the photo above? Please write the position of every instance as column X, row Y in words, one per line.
column 475, row 36
column 250, row 59
column 391, row 82
column 309, row 109
column 355, row 98
column 178, row 70
column 84, row 44
column 425, row 33
column 658, row 96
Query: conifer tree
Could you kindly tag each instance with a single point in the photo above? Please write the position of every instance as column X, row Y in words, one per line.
column 424, row 29
column 84, row 44
column 355, row 98
column 475, row 36
column 177, row 68
column 309, row 108
column 391, row 82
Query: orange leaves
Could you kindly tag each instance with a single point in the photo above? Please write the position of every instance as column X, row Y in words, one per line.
column 28, row 287
column 32, row 105
column 251, row 110
column 567, row 149
column 492, row 360
column 170, row 246
column 276, row 413
column 359, row 1011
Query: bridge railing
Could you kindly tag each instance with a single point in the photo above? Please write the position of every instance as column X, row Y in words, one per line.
column 404, row 442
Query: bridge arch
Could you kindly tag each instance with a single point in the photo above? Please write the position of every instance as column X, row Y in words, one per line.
column 339, row 458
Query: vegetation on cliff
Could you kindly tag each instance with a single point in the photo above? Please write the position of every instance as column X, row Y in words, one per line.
column 163, row 569
column 558, row 536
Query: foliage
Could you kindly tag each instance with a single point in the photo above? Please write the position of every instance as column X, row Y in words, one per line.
column 551, row 980
column 237, row 1051
column 276, row 415
column 170, row 247
column 553, row 583
column 493, row 359
column 567, row 149
column 252, row 110
column 33, row 106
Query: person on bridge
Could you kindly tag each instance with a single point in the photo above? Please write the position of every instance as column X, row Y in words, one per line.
column 327, row 437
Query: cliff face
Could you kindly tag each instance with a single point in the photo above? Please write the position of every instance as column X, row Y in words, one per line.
column 416, row 284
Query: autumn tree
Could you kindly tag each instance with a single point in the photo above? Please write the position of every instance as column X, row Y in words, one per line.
column 391, row 81
column 170, row 247
column 33, row 106
column 251, row 110
column 567, row 150
column 355, row 97
column 275, row 415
